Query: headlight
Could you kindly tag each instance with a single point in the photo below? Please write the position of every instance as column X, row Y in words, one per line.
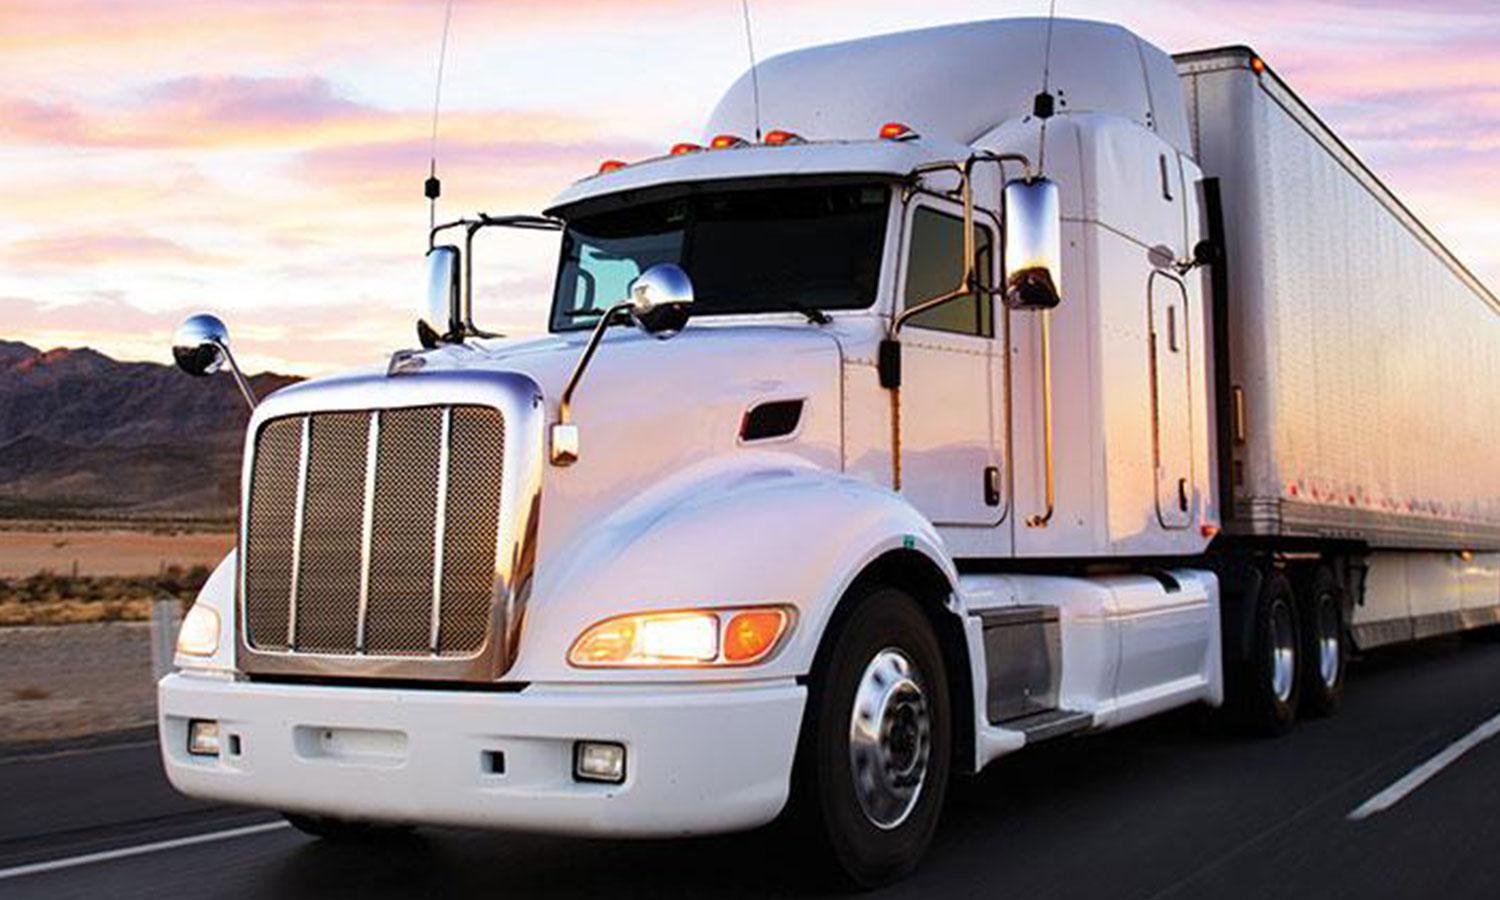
column 199, row 635
column 694, row 637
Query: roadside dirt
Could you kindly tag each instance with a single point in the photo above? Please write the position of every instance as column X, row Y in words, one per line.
column 74, row 680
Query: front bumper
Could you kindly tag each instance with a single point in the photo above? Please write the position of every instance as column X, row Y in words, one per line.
column 700, row 758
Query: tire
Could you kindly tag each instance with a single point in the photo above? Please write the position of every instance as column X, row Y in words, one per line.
column 1270, row 684
column 869, row 798
column 345, row 831
column 1325, row 650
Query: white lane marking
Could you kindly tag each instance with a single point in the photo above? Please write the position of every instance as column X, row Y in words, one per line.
column 73, row 751
column 1420, row 775
column 139, row 849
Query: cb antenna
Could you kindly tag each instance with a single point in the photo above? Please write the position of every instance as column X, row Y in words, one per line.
column 433, row 188
column 754, row 74
column 1044, row 104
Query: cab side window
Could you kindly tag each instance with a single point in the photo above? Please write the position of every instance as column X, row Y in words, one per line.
column 933, row 267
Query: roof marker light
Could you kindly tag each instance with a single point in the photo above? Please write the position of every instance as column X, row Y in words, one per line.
column 897, row 131
column 780, row 138
column 726, row 142
column 685, row 147
column 611, row 165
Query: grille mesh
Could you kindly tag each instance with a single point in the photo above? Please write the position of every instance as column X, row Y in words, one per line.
column 324, row 615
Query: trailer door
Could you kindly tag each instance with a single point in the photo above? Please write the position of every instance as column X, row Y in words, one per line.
column 1171, row 418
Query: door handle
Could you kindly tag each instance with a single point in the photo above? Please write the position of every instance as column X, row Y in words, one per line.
column 1040, row 520
column 992, row 486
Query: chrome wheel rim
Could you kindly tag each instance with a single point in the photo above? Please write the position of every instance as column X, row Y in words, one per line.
column 1328, row 640
column 1283, row 651
column 890, row 738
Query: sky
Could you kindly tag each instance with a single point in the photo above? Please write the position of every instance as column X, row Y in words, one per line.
column 264, row 159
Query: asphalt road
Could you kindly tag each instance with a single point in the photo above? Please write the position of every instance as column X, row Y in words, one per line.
column 1174, row 807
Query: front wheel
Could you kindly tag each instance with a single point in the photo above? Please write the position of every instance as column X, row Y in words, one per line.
column 873, row 763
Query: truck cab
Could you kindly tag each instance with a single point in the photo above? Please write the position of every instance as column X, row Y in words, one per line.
column 871, row 438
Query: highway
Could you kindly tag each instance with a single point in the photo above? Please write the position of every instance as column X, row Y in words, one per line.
column 1174, row 807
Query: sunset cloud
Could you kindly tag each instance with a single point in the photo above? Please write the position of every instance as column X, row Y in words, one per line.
column 264, row 158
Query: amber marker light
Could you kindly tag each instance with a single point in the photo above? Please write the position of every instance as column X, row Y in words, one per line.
column 726, row 142
column 685, row 147
column 1257, row 65
column 682, row 638
column 779, row 138
column 752, row 634
column 611, row 165
column 897, row 131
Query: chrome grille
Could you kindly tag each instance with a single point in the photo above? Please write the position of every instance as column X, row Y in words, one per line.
column 374, row 532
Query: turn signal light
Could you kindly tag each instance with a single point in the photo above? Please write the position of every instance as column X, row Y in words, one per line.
column 750, row 635
column 611, row 165
column 726, row 142
column 681, row 638
column 685, row 147
column 896, row 131
column 778, row 138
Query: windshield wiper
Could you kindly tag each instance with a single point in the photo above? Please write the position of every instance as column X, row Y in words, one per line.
column 814, row 315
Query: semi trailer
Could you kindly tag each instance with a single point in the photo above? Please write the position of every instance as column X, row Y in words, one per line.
column 963, row 390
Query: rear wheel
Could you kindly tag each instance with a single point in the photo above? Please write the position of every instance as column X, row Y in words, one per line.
column 1269, row 687
column 873, row 763
column 1323, row 646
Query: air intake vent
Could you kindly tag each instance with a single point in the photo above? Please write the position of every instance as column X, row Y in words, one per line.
column 778, row 418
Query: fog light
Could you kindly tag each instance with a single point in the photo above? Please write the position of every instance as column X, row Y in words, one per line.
column 203, row 737
column 596, row 761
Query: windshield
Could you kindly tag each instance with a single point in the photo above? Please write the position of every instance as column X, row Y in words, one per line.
column 747, row 251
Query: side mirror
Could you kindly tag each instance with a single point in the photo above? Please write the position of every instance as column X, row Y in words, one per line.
column 661, row 300
column 442, row 319
column 200, row 345
column 1033, row 244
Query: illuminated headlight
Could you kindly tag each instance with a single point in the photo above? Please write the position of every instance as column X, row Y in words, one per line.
column 598, row 761
column 203, row 737
column 199, row 635
column 700, row 637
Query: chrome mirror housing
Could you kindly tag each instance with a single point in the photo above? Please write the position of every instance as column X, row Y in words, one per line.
column 1033, row 243
column 442, row 319
column 200, row 345
column 661, row 300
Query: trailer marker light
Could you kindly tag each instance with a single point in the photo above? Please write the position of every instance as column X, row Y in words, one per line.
column 778, row 138
column 599, row 761
column 611, row 165
column 1257, row 65
column 203, row 737
column 726, row 142
column 685, row 147
column 897, row 131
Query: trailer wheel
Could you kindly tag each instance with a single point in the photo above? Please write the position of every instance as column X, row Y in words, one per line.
column 873, row 762
column 1269, row 687
column 1324, row 651
column 345, row 831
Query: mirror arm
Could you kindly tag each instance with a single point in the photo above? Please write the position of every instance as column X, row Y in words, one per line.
column 565, row 401
column 239, row 377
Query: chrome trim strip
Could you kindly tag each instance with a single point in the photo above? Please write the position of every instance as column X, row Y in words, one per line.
column 297, row 517
column 367, row 528
column 440, row 528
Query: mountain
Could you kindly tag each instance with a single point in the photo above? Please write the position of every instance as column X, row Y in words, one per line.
column 82, row 434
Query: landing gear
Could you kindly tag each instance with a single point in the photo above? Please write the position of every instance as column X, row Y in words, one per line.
column 873, row 763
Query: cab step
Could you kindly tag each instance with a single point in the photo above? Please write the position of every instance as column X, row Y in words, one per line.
column 1052, row 723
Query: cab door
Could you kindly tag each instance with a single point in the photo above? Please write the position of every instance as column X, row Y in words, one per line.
column 949, row 432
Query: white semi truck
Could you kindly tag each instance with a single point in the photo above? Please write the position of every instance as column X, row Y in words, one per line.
column 998, row 407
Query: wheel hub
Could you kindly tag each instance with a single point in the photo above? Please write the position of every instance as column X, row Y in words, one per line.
column 1283, row 651
column 1328, row 640
column 890, row 738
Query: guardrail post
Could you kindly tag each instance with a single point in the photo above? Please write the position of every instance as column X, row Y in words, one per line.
column 166, row 618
